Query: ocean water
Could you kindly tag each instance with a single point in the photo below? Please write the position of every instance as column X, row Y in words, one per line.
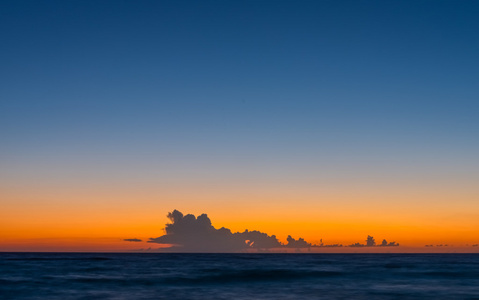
column 238, row 276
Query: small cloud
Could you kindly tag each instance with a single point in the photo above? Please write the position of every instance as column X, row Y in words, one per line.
column 132, row 240
column 475, row 245
column 386, row 244
column 357, row 245
column 321, row 244
column 300, row 243
column 331, row 246
column 371, row 242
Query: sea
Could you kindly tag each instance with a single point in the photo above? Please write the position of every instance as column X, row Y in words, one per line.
column 238, row 276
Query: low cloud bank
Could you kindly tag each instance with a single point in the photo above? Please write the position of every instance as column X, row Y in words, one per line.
column 187, row 233
column 132, row 240
column 371, row 242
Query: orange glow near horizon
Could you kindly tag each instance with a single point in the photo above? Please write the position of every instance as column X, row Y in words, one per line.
column 97, row 218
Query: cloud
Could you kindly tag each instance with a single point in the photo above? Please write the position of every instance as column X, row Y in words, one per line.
column 187, row 233
column 132, row 240
column 321, row 244
column 371, row 242
column 357, row 245
column 191, row 234
column 328, row 246
column 300, row 243
column 385, row 243
column 259, row 239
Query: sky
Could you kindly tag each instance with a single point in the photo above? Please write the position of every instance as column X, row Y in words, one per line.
column 327, row 120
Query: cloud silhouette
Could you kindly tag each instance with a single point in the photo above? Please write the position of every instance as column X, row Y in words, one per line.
column 321, row 244
column 385, row 243
column 371, row 242
column 187, row 233
column 300, row 243
column 357, row 245
column 259, row 239
column 132, row 240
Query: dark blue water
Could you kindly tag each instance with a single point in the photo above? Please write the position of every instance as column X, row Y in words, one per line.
column 238, row 276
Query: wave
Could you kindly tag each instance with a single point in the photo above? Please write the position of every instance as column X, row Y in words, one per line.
column 59, row 258
column 259, row 275
column 222, row 277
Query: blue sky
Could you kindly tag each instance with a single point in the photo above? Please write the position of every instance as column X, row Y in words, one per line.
column 273, row 82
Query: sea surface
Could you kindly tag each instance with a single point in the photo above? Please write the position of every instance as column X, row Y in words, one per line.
column 238, row 276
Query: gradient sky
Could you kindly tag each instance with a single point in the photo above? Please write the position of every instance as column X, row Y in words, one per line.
column 319, row 119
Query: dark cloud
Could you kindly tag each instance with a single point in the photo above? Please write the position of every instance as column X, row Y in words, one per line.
column 357, row 245
column 187, row 233
column 300, row 243
column 321, row 244
column 385, row 243
column 259, row 239
column 132, row 240
column 328, row 246
column 371, row 242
